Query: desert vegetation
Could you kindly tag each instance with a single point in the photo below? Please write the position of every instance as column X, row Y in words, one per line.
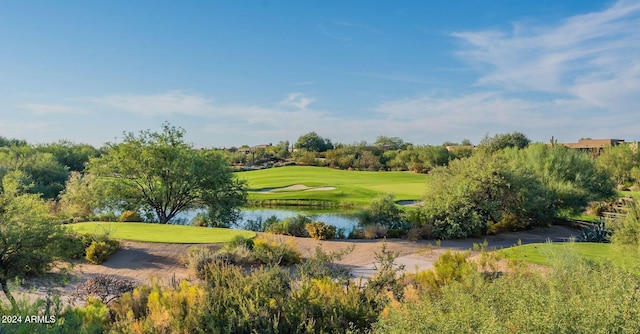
column 262, row 283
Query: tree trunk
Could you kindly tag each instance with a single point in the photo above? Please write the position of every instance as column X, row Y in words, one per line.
column 7, row 293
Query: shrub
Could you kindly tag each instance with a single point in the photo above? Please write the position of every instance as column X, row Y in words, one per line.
column 105, row 217
column 384, row 211
column 177, row 309
column 240, row 255
column 374, row 231
column 321, row 265
column 201, row 219
column 130, row 216
column 100, row 251
column 627, row 232
column 597, row 208
column 509, row 222
column 387, row 277
column 293, row 226
column 420, row 231
column 275, row 251
column 92, row 318
column 71, row 246
column 574, row 295
column 396, row 233
column 321, row 231
column 596, row 232
column 197, row 259
column 450, row 267
column 104, row 287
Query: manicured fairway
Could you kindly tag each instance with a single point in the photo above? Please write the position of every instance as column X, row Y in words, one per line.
column 161, row 233
column 350, row 186
column 544, row 254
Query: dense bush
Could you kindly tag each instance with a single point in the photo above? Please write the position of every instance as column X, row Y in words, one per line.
column 293, row 226
column 450, row 267
column 71, row 246
column 627, row 232
column 100, row 251
column 232, row 300
column 511, row 190
column 321, row 231
column 383, row 211
column 130, row 216
column 271, row 250
column 573, row 296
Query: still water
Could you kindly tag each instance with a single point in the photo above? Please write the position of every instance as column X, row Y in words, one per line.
column 343, row 219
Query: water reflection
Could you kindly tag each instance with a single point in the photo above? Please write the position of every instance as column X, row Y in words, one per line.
column 341, row 220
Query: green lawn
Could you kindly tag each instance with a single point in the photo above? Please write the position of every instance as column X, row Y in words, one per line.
column 160, row 233
column 350, row 186
column 633, row 194
column 544, row 253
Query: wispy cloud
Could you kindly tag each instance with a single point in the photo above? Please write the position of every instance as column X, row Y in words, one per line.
column 48, row 109
column 593, row 57
column 297, row 100
column 333, row 35
column 173, row 102
column 473, row 115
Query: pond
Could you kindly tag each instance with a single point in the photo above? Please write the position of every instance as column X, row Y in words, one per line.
column 343, row 219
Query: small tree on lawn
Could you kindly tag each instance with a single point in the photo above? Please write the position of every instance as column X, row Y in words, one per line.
column 160, row 172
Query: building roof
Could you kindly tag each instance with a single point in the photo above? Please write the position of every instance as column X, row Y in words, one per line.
column 594, row 143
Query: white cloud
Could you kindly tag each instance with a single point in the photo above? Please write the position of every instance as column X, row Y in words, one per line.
column 297, row 100
column 593, row 57
column 173, row 102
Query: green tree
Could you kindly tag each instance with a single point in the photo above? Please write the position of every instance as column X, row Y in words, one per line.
column 161, row 173
column 46, row 173
column 384, row 211
column 473, row 194
column 570, row 177
column 503, row 140
column 619, row 161
column 313, row 142
column 73, row 156
column 26, row 238
column 390, row 143
column 80, row 197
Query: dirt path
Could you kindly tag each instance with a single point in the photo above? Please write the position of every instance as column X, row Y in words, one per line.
column 145, row 262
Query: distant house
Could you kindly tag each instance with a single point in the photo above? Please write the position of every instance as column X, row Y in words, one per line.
column 594, row 146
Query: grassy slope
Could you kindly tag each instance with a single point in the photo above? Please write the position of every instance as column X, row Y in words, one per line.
column 160, row 233
column 544, row 254
column 351, row 186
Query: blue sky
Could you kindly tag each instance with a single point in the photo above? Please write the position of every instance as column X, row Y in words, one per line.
column 253, row 72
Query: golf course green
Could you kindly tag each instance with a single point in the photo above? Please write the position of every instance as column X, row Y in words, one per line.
column 546, row 253
column 147, row 232
column 333, row 185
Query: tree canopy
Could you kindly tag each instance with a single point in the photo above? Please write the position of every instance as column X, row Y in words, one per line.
column 504, row 140
column 511, row 189
column 161, row 173
column 313, row 142
column 26, row 237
